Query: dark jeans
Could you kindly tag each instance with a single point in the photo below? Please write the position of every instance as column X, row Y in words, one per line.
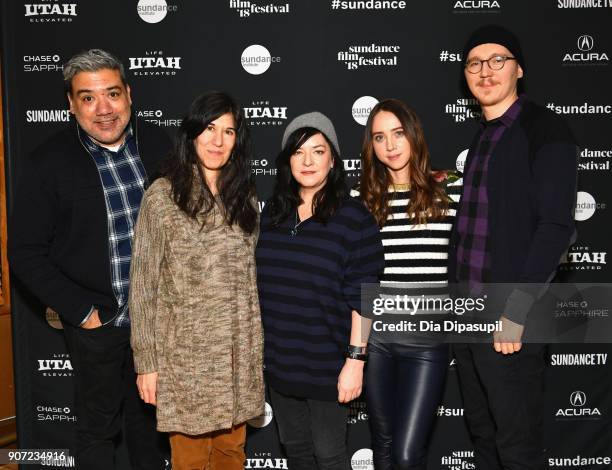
column 503, row 397
column 105, row 393
column 313, row 432
column 404, row 386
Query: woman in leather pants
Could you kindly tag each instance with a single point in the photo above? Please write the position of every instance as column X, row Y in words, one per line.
column 415, row 209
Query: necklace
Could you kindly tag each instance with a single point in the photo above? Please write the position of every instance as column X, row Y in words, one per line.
column 294, row 230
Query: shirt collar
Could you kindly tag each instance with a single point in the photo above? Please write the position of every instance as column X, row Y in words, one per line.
column 94, row 146
column 508, row 118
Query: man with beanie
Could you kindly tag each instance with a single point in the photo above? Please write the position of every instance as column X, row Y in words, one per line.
column 514, row 222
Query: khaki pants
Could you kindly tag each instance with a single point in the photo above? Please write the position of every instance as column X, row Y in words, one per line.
column 219, row 450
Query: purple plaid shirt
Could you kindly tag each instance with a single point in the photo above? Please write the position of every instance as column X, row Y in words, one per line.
column 473, row 251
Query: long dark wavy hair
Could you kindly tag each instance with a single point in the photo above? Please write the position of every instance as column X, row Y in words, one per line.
column 286, row 197
column 427, row 199
column 235, row 183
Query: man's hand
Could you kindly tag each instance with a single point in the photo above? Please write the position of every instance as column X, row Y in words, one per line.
column 147, row 387
column 93, row 321
column 508, row 341
column 350, row 380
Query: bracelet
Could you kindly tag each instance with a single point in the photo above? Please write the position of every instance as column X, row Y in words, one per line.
column 357, row 356
column 357, row 349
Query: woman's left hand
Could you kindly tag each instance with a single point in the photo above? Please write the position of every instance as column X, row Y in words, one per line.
column 350, row 380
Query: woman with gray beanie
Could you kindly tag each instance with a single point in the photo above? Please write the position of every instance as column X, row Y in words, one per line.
column 316, row 248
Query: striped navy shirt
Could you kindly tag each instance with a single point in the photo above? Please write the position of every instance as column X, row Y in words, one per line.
column 308, row 285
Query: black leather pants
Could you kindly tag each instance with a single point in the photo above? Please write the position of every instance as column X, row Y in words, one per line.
column 404, row 387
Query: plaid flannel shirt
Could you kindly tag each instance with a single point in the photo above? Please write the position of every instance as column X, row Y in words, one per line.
column 473, row 250
column 123, row 179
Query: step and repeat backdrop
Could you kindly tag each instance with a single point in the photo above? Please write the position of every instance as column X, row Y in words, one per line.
column 281, row 59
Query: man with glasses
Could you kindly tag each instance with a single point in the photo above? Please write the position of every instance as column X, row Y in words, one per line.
column 514, row 222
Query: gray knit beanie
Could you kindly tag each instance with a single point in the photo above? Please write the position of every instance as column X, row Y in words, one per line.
column 317, row 121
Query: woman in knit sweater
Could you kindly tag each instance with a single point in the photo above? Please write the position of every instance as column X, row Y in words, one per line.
column 196, row 328
column 414, row 210
column 316, row 247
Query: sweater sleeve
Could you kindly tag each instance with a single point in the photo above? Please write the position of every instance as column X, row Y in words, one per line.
column 366, row 260
column 554, row 172
column 145, row 272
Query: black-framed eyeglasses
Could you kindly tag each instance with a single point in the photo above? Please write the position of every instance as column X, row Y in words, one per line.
column 496, row 62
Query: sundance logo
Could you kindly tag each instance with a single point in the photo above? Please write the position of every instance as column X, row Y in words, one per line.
column 51, row 12
column 443, row 411
column 584, row 3
column 361, row 109
column 578, row 461
column 263, row 420
column 578, row 400
column 363, row 459
column 47, row 115
column 256, row 59
column 579, row 359
column 154, row 11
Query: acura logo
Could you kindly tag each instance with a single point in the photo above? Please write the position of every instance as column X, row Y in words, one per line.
column 578, row 398
column 585, row 42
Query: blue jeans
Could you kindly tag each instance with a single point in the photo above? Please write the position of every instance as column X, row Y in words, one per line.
column 313, row 432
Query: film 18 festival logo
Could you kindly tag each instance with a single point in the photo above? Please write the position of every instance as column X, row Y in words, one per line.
column 50, row 12
column 458, row 460
column 246, row 8
column 372, row 55
column 463, row 109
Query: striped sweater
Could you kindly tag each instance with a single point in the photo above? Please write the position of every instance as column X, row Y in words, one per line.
column 416, row 255
column 308, row 285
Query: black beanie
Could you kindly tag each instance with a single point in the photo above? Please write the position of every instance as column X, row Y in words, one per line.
column 495, row 34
